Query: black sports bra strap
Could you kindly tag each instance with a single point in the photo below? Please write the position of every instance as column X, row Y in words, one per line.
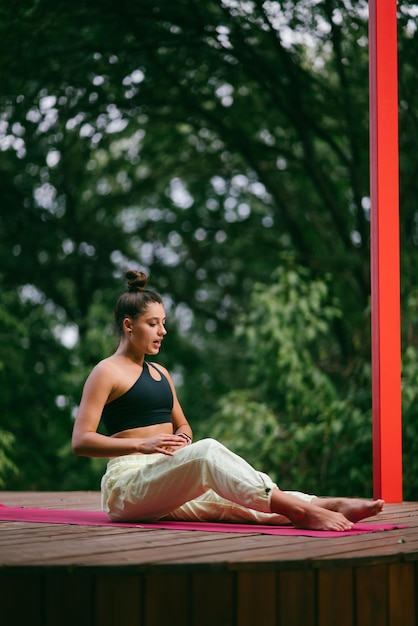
column 155, row 367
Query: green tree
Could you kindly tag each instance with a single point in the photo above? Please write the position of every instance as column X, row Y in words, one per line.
column 204, row 142
column 291, row 420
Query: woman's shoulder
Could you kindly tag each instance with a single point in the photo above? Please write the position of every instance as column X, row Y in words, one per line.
column 164, row 371
column 159, row 367
column 105, row 365
column 105, row 369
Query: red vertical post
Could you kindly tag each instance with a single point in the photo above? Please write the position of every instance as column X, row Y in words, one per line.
column 385, row 266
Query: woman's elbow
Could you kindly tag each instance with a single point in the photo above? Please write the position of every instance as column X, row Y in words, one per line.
column 78, row 445
column 77, row 448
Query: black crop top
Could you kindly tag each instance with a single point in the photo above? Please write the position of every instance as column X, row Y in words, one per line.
column 147, row 402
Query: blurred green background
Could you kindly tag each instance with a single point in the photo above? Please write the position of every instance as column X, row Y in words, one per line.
column 223, row 148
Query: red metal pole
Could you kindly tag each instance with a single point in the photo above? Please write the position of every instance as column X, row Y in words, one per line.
column 385, row 266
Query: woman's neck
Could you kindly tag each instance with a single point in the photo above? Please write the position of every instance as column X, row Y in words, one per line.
column 127, row 352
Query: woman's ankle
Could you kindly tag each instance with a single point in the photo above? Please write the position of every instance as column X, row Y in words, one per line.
column 291, row 507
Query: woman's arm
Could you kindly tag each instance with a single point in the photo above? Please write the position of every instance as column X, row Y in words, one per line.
column 86, row 441
column 180, row 424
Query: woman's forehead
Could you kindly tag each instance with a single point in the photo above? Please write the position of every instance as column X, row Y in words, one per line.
column 154, row 309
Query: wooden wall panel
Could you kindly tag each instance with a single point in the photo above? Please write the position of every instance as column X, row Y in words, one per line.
column 256, row 598
column 297, row 598
column 118, row 600
column 213, row 599
column 21, row 599
column 383, row 594
column 335, row 597
column 371, row 596
column 167, row 599
column 68, row 599
column 402, row 598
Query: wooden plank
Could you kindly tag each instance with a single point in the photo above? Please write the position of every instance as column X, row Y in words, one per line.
column 297, row 598
column 68, row 599
column 335, row 597
column 371, row 595
column 86, row 500
column 213, row 599
column 93, row 546
column 167, row 598
column 402, row 597
column 28, row 545
column 94, row 575
column 256, row 598
column 118, row 600
column 14, row 610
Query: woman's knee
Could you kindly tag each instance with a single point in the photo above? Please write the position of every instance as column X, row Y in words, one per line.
column 207, row 446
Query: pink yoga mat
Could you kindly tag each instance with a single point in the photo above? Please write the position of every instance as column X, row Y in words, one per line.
column 98, row 518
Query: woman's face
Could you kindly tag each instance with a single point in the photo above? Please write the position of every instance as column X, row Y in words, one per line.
column 148, row 329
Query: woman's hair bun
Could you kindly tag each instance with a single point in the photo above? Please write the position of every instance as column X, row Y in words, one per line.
column 136, row 280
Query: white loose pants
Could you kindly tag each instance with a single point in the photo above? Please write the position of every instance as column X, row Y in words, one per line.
column 201, row 482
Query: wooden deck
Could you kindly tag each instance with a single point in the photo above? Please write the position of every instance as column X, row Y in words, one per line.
column 54, row 575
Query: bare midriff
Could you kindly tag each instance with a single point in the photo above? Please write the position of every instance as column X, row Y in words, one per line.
column 144, row 432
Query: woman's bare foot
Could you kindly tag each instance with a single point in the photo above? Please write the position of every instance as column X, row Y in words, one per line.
column 354, row 509
column 309, row 515
column 319, row 518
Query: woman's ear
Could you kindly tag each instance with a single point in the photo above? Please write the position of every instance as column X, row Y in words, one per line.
column 127, row 325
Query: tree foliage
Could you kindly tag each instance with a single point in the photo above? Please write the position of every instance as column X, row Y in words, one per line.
column 291, row 419
column 207, row 143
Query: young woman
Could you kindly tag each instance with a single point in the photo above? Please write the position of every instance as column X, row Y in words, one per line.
column 154, row 469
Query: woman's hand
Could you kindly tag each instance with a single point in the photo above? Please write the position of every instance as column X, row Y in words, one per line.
column 164, row 444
